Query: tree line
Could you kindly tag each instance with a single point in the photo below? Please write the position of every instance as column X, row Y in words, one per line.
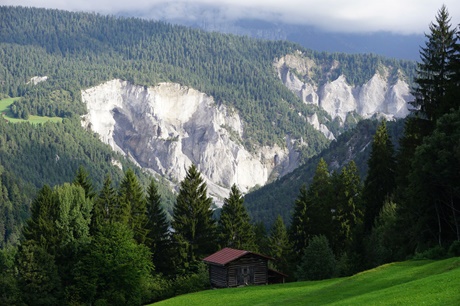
column 409, row 202
column 116, row 246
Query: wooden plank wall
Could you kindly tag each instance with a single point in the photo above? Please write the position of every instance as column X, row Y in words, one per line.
column 257, row 265
column 218, row 276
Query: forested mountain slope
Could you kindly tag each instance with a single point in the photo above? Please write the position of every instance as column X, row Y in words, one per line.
column 81, row 51
column 278, row 197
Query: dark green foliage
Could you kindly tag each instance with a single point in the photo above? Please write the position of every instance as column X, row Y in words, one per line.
column 38, row 276
column 433, row 200
column 234, row 227
column 320, row 202
column 318, row 261
column 158, row 233
column 428, row 162
column 279, row 246
column 104, row 206
column 348, row 214
column 9, row 290
column 279, row 197
column 332, row 207
column 39, row 227
column 436, row 252
column 82, row 179
column 192, row 282
column 380, row 180
column 14, row 207
column 115, row 270
column 454, row 249
column 382, row 245
column 52, row 153
column 261, row 238
column 132, row 209
column 434, row 72
column 299, row 231
column 194, row 228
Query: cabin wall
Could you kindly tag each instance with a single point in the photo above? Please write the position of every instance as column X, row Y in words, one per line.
column 248, row 270
column 218, row 276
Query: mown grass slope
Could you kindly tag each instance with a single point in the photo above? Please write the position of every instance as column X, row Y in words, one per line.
column 415, row 282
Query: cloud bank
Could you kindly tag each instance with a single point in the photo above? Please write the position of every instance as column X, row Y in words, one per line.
column 399, row 16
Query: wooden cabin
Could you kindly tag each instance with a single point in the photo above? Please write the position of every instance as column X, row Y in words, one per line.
column 231, row 268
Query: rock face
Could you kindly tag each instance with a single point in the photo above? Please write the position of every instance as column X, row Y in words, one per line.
column 378, row 96
column 168, row 127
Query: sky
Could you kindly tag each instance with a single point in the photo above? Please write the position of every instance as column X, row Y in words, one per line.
column 398, row 16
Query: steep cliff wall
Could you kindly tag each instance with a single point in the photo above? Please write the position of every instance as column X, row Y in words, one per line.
column 381, row 95
column 168, row 127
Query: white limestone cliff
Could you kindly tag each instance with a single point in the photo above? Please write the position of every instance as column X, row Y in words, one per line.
column 168, row 127
column 378, row 96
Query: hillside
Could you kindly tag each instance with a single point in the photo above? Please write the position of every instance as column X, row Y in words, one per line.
column 278, row 197
column 77, row 53
column 403, row 283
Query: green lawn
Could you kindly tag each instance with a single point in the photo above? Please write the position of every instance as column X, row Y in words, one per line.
column 421, row 282
column 6, row 113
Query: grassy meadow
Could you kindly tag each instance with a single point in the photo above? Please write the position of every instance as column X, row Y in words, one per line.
column 6, row 113
column 414, row 282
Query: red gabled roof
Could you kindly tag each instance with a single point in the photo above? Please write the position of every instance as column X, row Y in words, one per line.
column 227, row 255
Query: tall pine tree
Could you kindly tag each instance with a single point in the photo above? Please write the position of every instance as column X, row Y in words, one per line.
column 313, row 210
column 349, row 210
column 380, row 181
column 82, row 179
column 299, row 231
column 194, row 227
column 235, row 229
column 132, row 207
column 279, row 245
column 104, row 205
column 434, row 72
column 158, row 233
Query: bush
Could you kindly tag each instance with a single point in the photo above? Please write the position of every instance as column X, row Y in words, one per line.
column 193, row 282
column 318, row 261
column 454, row 249
column 437, row 252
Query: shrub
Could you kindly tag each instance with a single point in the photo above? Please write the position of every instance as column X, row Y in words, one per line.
column 318, row 261
column 437, row 252
column 454, row 249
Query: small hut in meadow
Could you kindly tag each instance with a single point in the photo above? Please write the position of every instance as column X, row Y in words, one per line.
column 231, row 268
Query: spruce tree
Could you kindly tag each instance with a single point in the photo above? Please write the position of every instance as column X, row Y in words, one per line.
column 82, row 179
column 300, row 230
column 313, row 210
column 349, row 210
column 433, row 200
column 279, row 245
column 318, row 261
column 132, row 209
column 39, row 226
column 158, row 233
column 434, row 72
column 380, row 181
column 194, row 227
column 104, row 205
column 320, row 203
column 235, row 229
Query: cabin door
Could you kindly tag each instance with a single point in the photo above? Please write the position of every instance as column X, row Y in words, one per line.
column 245, row 275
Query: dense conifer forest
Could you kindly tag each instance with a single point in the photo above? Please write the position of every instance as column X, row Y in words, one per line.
column 77, row 230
